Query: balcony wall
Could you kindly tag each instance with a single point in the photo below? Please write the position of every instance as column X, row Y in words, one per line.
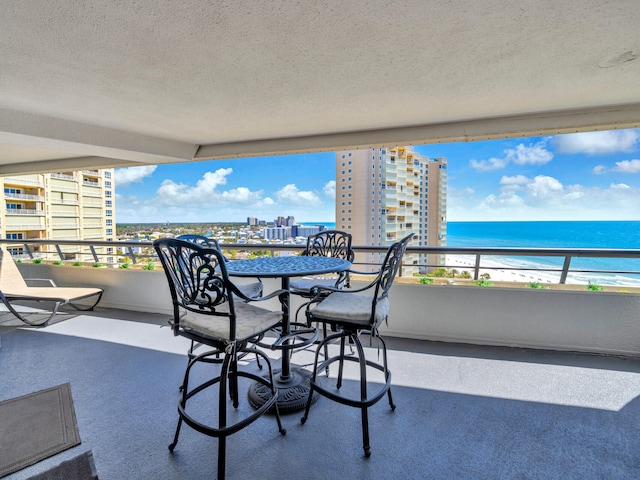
column 600, row 322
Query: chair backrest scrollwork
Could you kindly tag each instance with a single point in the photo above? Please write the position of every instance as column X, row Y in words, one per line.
column 197, row 277
column 330, row 243
column 390, row 266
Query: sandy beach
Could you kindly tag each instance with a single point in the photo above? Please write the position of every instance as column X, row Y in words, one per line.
column 499, row 272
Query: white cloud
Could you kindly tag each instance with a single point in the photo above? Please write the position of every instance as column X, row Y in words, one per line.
column 329, row 189
column 598, row 143
column 290, row 194
column 126, row 176
column 487, row 165
column 543, row 186
column 599, row 170
column 513, row 183
column 532, row 154
column 545, row 198
column 627, row 166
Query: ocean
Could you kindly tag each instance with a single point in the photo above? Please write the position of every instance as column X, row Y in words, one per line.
column 556, row 234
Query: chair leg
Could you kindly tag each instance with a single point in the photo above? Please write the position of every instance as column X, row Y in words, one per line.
column 312, row 382
column 386, row 371
column 183, row 401
column 341, row 362
column 173, row 444
column 326, row 347
column 362, row 361
column 227, row 365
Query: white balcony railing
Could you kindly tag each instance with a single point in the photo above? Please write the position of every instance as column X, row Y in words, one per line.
column 23, row 211
column 24, row 196
column 557, row 319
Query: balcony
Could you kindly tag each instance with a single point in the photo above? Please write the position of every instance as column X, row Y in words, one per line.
column 23, row 211
column 468, row 404
column 24, row 196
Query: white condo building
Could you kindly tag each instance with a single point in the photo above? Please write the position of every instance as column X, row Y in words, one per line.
column 59, row 206
column 383, row 194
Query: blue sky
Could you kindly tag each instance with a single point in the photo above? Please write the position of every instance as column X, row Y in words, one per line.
column 582, row 176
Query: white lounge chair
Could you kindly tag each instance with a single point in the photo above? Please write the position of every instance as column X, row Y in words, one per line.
column 13, row 287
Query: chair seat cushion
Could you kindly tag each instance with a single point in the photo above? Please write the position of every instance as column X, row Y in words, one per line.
column 350, row 308
column 250, row 321
column 253, row 290
column 304, row 284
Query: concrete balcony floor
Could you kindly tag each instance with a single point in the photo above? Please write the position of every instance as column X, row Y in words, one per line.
column 463, row 411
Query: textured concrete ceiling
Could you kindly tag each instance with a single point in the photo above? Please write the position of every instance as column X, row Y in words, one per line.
column 150, row 81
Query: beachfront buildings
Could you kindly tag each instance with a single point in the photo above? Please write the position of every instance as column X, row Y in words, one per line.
column 59, row 206
column 383, row 194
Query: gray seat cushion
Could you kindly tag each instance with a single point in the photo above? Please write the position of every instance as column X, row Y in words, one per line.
column 253, row 290
column 250, row 321
column 304, row 284
column 350, row 308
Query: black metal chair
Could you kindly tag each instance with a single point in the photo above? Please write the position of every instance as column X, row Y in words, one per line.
column 351, row 313
column 253, row 289
column 328, row 243
column 205, row 311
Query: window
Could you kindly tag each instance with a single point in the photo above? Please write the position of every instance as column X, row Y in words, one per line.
column 15, row 236
column 15, row 206
column 109, row 213
column 107, row 184
column 109, row 222
column 108, row 203
column 107, row 194
column 109, row 231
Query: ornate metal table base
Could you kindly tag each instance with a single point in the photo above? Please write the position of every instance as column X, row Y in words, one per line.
column 292, row 394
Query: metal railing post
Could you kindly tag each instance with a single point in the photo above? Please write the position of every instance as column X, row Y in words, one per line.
column 565, row 269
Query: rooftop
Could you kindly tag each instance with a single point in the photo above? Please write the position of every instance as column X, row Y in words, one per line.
column 463, row 411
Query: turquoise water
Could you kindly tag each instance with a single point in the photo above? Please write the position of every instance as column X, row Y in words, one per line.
column 575, row 234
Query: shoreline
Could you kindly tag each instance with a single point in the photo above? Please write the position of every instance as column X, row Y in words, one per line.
column 501, row 272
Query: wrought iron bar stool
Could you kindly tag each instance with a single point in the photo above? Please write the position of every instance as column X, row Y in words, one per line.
column 205, row 311
column 351, row 313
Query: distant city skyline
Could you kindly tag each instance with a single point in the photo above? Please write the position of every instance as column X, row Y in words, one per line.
column 582, row 176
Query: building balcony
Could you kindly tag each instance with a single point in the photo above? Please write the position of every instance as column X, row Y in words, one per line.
column 23, row 211
column 13, row 181
column 63, row 176
column 23, row 196
column 486, row 382
column 10, row 226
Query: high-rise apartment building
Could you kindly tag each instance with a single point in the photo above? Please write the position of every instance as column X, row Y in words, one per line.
column 383, row 194
column 59, row 206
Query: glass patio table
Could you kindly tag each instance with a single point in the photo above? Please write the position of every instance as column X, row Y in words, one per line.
column 292, row 383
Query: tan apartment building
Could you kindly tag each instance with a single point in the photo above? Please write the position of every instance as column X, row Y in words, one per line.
column 383, row 194
column 59, row 206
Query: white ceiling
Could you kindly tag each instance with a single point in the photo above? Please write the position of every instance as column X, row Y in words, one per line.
column 86, row 83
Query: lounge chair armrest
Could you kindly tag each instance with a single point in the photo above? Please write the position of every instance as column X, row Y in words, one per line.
column 40, row 282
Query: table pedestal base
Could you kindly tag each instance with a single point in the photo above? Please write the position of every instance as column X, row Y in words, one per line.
column 292, row 393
